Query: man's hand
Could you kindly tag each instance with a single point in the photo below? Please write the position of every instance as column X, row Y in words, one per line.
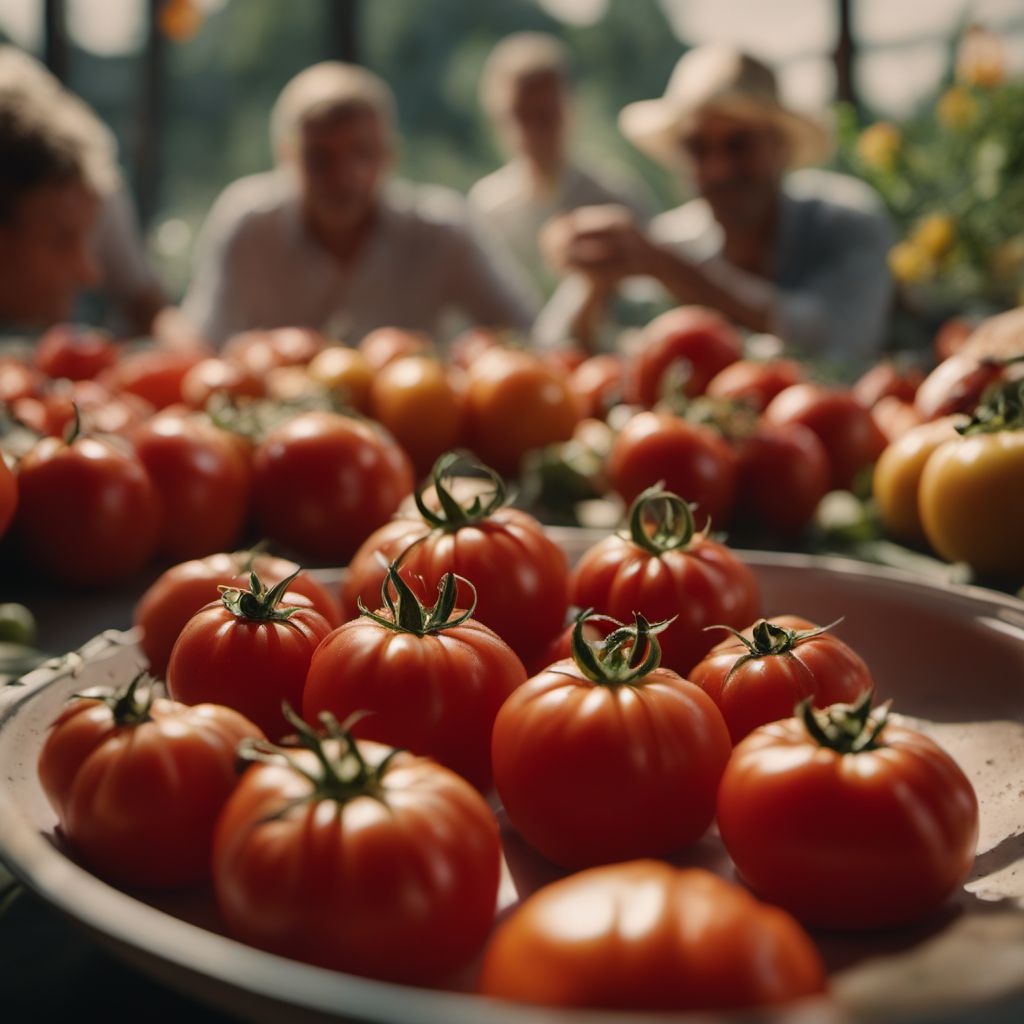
column 603, row 242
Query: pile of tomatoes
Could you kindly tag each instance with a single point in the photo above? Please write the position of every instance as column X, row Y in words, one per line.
column 377, row 733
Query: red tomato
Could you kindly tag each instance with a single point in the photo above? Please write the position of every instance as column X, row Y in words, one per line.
column 597, row 384
column 885, row 380
column 165, row 608
column 668, row 573
column 52, row 410
column 74, row 353
column 471, row 344
column 323, row 482
column 203, row 481
column 213, row 376
column 782, row 473
column 648, row 936
column 381, row 346
column 690, row 460
column 521, row 576
column 850, row 436
column 250, row 650
column 582, row 773
column 8, row 495
column 760, row 675
column 258, row 352
column 432, row 679
column 153, row 374
column 17, row 380
column 88, row 513
column 791, row 791
column 392, row 862
column 699, row 340
column 138, row 783
column 754, row 382
column 516, row 403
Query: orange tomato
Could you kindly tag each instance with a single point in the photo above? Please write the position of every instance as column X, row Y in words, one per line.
column 346, row 372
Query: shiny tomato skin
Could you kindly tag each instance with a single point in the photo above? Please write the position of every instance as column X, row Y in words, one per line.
column 219, row 376
column 258, row 352
column 755, row 382
column 8, row 495
column 689, row 460
column 767, row 689
column 153, row 374
column 971, row 501
column 323, row 482
column 203, row 480
column 851, row 437
column 247, row 665
column 585, row 775
column 402, row 887
column 699, row 943
column 163, row 610
column 435, row 695
column 386, row 344
column 702, row 585
column 346, row 373
column 139, row 803
column 782, row 474
column 88, row 513
column 700, row 337
column 597, row 384
column 521, row 576
column 886, row 380
column 73, row 353
column 784, row 811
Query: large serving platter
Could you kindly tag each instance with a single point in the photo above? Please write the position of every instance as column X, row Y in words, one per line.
column 952, row 657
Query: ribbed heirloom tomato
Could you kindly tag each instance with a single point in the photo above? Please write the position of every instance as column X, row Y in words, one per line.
column 357, row 857
column 847, row 820
column 760, row 675
column 431, row 679
column 606, row 756
column 138, row 783
column 521, row 576
column 249, row 651
column 648, row 936
column 665, row 570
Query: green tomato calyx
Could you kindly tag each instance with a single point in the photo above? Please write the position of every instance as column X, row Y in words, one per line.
column 846, row 728
column 770, row 640
column 410, row 615
column 128, row 706
column 340, row 776
column 660, row 521
column 453, row 515
column 625, row 657
column 258, row 604
column 1001, row 408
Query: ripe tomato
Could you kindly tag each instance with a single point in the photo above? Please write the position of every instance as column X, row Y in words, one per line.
column 211, row 376
column 761, row 674
column 887, row 380
column 381, row 346
column 414, row 399
column 346, row 372
column 74, row 353
column 668, row 572
column 88, row 513
column 17, row 380
column 971, row 495
column 516, row 403
column 471, row 344
column 521, row 576
column 203, row 481
column 249, row 650
column 432, row 679
column 323, row 482
column 597, row 384
column 791, row 790
column 897, row 476
column 581, row 772
column 850, row 436
column 258, row 352
column 782, row 473
column 700, row 341
column 690, row 460
column 8, row 495
column 755, row 382
column 138, row 783
column 182, row 590
column 648, row 936
column 153, row 374
column 392, row 861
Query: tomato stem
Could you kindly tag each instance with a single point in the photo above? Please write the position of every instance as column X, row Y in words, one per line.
column 845, row 728
column 127, row 708
column 771, row 640
column 1001, row 408
column 410, row 615
column 624, row 657
column 670, row 517
column 74, row 428
column 258, row 604
column 453, row 515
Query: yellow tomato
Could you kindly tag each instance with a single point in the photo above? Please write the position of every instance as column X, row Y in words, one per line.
column 346, row 372
column 898, row 476
column 971, row 501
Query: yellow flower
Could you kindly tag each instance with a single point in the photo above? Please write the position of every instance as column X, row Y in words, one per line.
column 957, row 109
column 935, row 235
column 909, row 262
column 980, row 59
column 878, row 145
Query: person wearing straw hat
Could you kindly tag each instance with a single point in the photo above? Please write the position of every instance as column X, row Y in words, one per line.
column 801, row 256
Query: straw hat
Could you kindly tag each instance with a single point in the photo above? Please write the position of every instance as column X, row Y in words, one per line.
column 721, row 78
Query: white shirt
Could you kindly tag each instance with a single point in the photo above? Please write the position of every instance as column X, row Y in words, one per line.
column 257, row 266
column 509, row 205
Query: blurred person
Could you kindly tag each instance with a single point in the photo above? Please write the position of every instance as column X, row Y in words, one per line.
column 325, row 240
column 123, row 275
column 801, row 256
column 525, row 92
